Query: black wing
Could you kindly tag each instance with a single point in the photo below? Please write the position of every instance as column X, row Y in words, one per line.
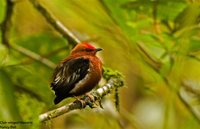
column 66, row 75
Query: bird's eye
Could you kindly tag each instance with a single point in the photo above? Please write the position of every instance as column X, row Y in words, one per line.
column 88, row 50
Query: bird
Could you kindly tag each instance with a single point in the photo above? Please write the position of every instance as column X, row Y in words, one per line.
column 77, row 74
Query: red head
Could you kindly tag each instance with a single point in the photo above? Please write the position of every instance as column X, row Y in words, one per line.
column 85, row 48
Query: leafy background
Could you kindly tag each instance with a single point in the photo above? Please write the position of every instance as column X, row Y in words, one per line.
column 154, row 43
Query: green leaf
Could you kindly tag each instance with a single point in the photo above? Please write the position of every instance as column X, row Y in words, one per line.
column 195, row 44
column 34, row 81
column 42, row 44
column 3, row 55
column 2, row 9
column 9, row 110
column 165, row 9
column 188, row 17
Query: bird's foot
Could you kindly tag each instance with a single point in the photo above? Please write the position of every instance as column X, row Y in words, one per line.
column 91, row 97
column 92, row 103
column 82, row 102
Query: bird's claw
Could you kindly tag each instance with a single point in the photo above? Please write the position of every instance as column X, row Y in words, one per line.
column 82, row 102
column 100, row 104
column 91, row 102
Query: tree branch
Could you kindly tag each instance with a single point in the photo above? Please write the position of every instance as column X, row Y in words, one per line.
column 191, row 86
column 189, row 94
column 34, row 56
column 191, row 102
column 6, row 22
column 5, row 27
column 22, row 89
column 54, row 52
column 114, row 82
column 56, row 24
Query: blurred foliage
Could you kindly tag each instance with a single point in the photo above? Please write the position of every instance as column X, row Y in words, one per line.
column 2, row 10
column 154, row 43
column 7, row 93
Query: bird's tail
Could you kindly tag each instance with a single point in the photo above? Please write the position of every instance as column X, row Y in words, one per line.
column 58, row 99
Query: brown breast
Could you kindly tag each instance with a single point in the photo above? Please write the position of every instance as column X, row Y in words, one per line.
column 92, row 78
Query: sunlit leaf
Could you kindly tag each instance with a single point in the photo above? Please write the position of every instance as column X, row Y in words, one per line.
column 9, row 109
column 3, row 55
column 2, row 9
column 34, row 82
column 188, row 17
column 165, row 10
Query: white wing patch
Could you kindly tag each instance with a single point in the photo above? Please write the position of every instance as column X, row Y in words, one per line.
column 79, row 84
column 57, row 79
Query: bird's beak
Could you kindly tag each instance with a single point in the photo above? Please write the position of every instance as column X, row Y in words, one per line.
column 98, row 49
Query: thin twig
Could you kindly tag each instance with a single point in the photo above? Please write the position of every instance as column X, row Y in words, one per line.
column 97, row 94
column 156, row 24
column 191, row 86
column 152, row 61
column 186, row 96
column 193, row 57
column 30, row 92
column 54, row 52
column 5, row 25
column 58, row 26
column 34, row 56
